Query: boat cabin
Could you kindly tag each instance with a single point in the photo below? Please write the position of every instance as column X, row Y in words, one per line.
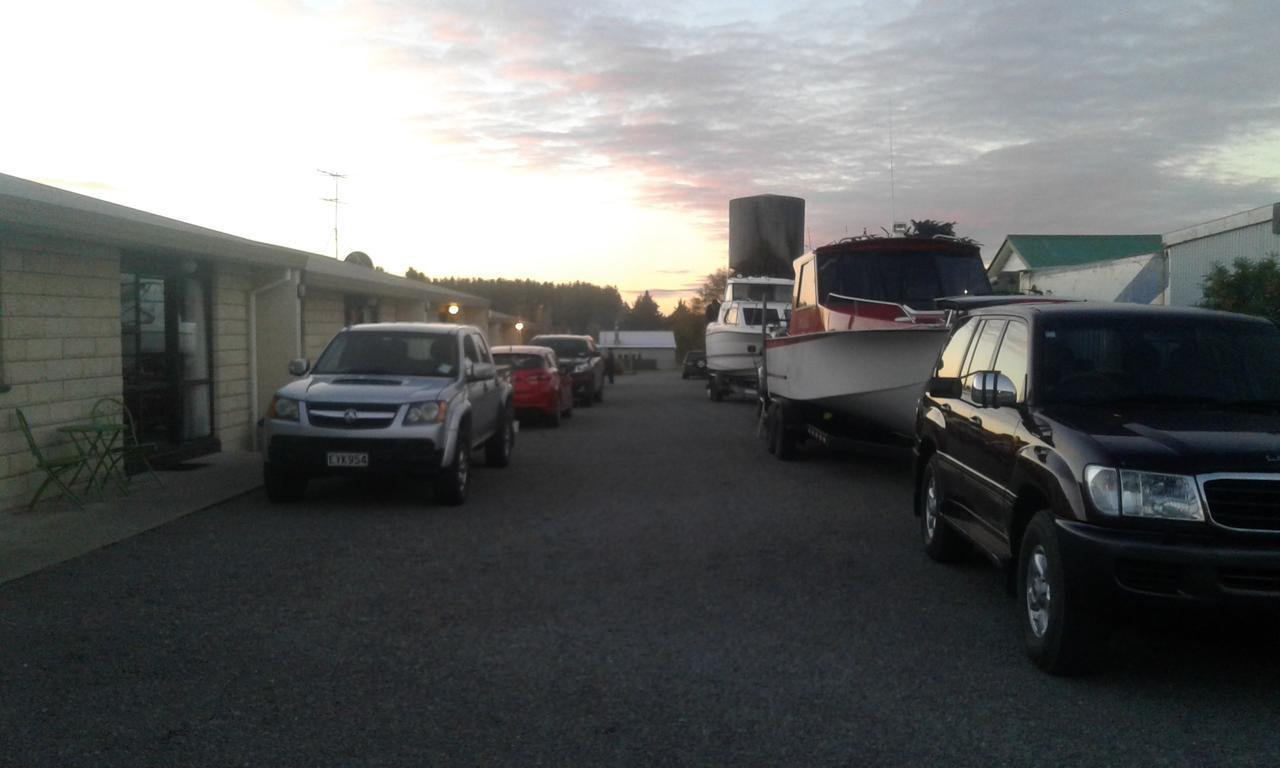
column 882, row 282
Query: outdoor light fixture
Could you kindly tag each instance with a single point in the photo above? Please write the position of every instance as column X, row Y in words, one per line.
column 454, row 309
column 519, row 325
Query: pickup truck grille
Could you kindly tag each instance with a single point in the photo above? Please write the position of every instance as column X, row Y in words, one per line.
column 1247, row 503
column 362, row 415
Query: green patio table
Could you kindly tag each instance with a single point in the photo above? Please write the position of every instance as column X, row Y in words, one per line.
column 97, row 445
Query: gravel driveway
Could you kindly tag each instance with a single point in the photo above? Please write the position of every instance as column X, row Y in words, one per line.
column 642, row 586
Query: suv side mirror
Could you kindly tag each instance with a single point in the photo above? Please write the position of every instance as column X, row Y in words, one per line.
column 992, row 389
column 299, row 367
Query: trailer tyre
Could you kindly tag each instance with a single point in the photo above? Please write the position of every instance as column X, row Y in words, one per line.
column 782, row 442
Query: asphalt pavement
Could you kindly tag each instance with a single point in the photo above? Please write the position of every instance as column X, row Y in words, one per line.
column 643, row 586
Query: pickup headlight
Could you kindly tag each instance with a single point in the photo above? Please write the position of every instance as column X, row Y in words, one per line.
column 431, row 412
column 581, row 367
column 284, row 409
column 1143, row 494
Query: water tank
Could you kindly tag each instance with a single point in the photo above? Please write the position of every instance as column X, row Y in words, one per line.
column 766, row 233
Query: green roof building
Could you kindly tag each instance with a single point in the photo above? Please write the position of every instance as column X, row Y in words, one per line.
column 1097, row 267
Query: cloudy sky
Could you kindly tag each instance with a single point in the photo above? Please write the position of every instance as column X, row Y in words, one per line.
column 602, row 141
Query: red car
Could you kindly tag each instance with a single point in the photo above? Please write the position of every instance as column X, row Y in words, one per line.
column 540, row 386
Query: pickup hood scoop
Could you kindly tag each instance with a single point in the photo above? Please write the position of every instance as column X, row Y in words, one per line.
column 370, row 382
column 372, row 389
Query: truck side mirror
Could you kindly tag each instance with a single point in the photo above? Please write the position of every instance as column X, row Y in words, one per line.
column 299, row 367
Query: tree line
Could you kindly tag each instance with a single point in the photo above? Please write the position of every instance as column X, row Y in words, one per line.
column 586, row 308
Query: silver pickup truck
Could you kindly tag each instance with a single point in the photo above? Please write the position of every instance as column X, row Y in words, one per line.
column 406, row 399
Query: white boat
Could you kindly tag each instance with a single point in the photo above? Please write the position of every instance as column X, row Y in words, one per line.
column 865, row 330
column 735, row 338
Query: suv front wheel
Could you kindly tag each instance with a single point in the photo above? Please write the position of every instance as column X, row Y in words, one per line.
column 1062, row 637
column 941, row 542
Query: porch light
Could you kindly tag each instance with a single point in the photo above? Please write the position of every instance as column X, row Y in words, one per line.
column 454, row 309
column 519, row 325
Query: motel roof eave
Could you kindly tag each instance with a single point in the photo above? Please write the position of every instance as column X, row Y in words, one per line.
column 328, row 273
column 31, row 208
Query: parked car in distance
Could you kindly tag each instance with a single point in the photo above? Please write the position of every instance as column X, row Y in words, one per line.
column 391, row 399
column 695, row 364
column 1105, row 454
column 540, row 386
column 583, row 361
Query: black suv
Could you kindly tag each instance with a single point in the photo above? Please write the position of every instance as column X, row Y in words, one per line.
column 1102, row 453
column 580, row 358
column 695, row 364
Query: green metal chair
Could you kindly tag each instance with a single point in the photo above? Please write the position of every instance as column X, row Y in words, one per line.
column 112, row 410
column 53, row 469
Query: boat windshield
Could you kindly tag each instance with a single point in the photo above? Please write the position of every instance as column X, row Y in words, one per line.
column 751, row 316
column 758, row 292
column 913, row 278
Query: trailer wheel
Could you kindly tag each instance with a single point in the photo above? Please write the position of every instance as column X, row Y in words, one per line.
column 781, row 442
column 714, row 389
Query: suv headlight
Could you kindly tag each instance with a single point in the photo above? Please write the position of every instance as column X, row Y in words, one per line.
column 581, row 367
column 430, row 412
column 1143, row 494
column 284, row 409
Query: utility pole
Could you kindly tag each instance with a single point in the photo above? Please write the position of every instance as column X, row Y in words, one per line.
column 336, row 202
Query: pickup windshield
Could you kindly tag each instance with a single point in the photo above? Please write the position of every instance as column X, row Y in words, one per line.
column 1160, row 362
column 390, row 354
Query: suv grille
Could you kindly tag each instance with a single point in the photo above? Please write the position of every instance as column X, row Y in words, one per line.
column 1247, row 503
column 366, row 415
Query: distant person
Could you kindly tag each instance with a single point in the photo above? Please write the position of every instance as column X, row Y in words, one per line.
column 609, row 365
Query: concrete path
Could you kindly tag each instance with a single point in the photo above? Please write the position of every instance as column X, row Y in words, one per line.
column 58, row 531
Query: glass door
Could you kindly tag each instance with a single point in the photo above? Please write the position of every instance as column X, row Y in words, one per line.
column 164, row 345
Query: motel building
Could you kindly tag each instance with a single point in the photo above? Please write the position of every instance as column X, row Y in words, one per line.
column 191, row 328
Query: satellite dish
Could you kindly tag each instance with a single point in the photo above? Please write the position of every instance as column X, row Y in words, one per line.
column 359, row 257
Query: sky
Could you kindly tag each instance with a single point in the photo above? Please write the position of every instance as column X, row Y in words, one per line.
column 602, row 141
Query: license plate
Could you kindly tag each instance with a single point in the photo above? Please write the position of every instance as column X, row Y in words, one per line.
column 348, row 459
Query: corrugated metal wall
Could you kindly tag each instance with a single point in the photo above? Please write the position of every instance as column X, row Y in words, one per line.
column 1189, row 262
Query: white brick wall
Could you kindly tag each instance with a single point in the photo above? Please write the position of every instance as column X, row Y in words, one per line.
column 322, row 317
column 231, row 417
column 60, row 326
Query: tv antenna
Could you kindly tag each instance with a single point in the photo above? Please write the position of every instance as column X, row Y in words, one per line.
column 336, row 202
column 893, row 206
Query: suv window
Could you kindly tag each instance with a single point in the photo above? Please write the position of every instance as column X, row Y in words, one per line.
column 984, row 348
column 564, row 347
column 1159, row 361
column 953, row 354
column 1011, row 360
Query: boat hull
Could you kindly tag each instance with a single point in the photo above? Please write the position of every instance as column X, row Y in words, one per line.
column 874, row 378
column 733, row 351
